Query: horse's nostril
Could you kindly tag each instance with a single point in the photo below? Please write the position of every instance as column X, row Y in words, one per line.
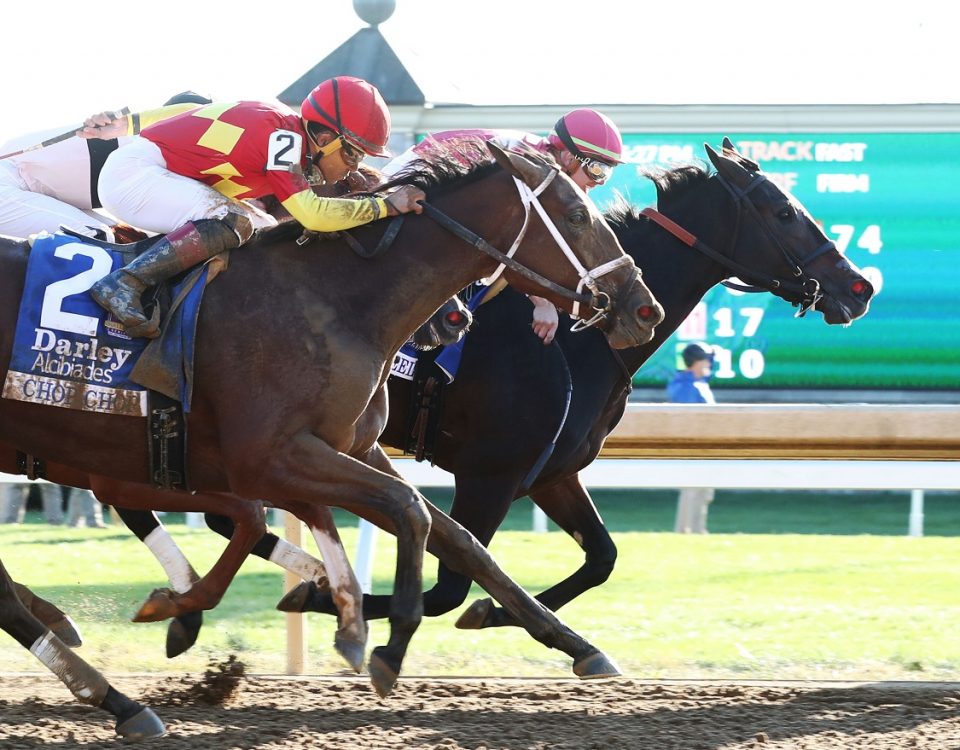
column 455, row 318
column 859, row 288
column 645, row 312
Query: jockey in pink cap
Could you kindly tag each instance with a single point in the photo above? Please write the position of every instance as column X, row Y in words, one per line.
column 585, row 143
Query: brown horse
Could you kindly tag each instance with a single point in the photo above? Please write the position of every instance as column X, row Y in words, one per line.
column 191, row 594
column 291, row 364
column 134, row 721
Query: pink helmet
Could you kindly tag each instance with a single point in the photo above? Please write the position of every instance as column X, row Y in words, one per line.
column 588, row 134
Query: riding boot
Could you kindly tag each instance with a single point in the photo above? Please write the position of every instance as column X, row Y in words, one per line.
column 194, row 242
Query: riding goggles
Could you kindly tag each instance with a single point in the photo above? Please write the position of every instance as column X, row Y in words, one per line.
column 352, row 156
column 598, row 171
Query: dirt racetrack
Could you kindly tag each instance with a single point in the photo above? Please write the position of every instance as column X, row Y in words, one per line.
column 334, row 713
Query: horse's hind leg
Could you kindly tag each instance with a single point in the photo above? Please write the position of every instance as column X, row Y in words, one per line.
column 207, row 592
column 134, row 721
column 184, row 629
column 567, row 503
column 278, row 551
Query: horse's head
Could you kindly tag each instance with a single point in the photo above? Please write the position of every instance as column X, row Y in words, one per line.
column 446, row 326
column 586, row 257
column 784, row 249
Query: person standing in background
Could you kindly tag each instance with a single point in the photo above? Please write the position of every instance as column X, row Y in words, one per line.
column 691, row 386
column 13, row 502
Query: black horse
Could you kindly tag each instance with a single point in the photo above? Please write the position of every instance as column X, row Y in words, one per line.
column 502, row 413
column 517, row 404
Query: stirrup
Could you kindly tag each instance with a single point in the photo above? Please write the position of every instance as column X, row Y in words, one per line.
column 149, row 329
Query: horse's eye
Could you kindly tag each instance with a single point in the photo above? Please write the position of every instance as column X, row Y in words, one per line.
column 578, row 218
column 787, row 213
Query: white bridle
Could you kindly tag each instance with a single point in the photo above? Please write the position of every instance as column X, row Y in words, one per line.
column 530, row 196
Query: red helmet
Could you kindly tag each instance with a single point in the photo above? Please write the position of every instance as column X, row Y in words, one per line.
column 588, row 134
column 352, row 108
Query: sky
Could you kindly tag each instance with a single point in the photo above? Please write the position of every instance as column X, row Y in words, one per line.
column 64, row 60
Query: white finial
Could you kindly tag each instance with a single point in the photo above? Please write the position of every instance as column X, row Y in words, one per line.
column 374, row 12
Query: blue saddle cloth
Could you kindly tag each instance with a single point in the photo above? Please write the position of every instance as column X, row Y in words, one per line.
column 67, row 352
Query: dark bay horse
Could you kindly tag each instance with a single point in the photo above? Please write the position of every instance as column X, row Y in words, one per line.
column 192, row 594
column 134, row 721
column 746, row 227
column 292, row 362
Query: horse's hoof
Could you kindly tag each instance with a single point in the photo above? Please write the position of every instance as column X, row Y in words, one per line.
column 595, row 666
column 351, row 651
column 475, row 616
column 145, row 725
column 66, row 631
column 158, row 606
column 297, row 598
column 382, row 674
column 182, row 633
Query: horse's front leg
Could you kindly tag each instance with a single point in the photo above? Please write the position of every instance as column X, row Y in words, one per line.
column 50, row 615
column 464, row 554
column 305, row 469
column 567, row 503
column 350, row 640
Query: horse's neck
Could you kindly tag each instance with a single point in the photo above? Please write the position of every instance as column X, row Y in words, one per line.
column 679, row 276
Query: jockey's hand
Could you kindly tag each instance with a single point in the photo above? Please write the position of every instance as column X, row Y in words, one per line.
column 403, row 200
column 364, row 179
column 105, row 125
column 545, row 319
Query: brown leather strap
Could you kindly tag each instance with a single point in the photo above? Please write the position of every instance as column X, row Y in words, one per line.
column 671, row 226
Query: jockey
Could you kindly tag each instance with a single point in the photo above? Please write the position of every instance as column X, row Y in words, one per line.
column 585, row 143
column 46, row 188
column 192, row 172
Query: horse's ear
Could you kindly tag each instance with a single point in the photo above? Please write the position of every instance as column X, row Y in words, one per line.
column 516, row 164
column 728, row 167
column 731, row 151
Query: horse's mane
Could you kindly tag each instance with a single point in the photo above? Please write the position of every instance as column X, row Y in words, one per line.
column 446, row 164
column 670, row 183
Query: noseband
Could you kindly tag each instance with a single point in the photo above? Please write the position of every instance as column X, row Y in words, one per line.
column 597, row 300
column 802, row 290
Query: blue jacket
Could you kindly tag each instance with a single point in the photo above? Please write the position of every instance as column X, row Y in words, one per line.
column 685, row 389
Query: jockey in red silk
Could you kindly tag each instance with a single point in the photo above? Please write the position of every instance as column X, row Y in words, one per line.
column 190, row 174
column 585, row 143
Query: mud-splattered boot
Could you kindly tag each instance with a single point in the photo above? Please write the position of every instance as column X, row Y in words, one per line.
column 193, row 243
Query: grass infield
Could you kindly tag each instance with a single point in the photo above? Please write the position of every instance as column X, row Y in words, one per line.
column 787, row 586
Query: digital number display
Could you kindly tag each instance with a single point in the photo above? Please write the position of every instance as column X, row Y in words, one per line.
column 891, row 202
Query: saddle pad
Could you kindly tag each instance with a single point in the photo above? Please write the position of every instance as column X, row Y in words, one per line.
column 69, row 352
column 65, row 352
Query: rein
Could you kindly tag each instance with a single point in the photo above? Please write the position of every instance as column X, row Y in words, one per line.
column 597, row 299
column 806, row 292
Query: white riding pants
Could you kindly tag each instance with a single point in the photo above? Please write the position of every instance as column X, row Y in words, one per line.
column 136, row 187
column 24, row 212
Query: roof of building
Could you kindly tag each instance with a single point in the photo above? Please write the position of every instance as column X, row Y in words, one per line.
column 365, row 55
